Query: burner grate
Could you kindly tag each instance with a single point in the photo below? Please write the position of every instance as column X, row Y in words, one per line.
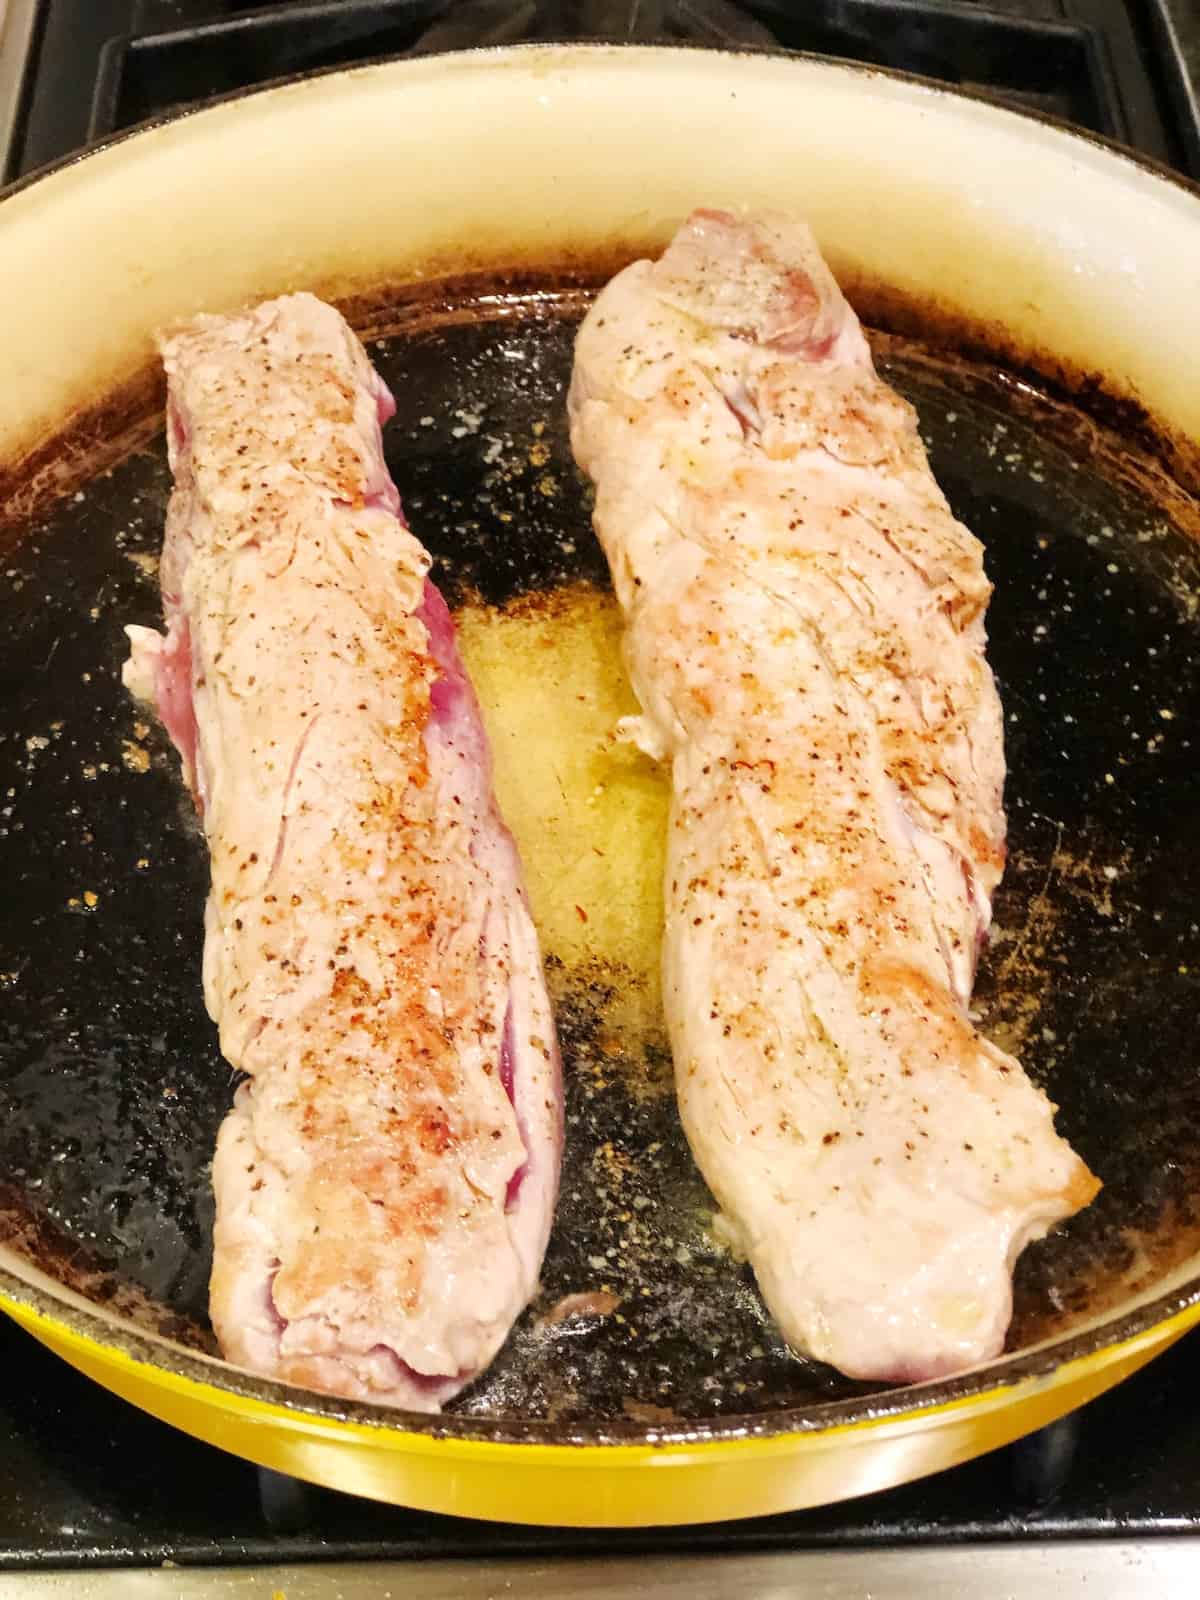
column 1112, row 66
column 1083, row 65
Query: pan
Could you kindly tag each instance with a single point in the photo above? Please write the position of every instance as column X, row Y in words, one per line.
column 1033, row 292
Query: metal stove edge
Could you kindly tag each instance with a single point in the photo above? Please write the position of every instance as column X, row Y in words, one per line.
column 1164, row 1568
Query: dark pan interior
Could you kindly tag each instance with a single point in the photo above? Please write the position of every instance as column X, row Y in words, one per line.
column 111, row 1086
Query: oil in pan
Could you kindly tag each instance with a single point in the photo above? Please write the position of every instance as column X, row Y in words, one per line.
column 111, row 1086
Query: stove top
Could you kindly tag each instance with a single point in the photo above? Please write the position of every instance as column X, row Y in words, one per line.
column 96, row 66
column 90, row 1484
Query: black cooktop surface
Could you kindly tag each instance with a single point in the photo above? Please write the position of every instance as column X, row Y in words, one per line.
column 85, row 1478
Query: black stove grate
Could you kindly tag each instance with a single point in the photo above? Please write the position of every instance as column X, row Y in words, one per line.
column 1064, row 67
column 1111, row 66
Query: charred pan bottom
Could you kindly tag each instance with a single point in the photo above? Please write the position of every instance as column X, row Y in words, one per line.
column 110, row 1081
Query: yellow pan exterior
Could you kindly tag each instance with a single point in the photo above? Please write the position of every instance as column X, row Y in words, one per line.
column 388, row 175
column 605, row 1485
